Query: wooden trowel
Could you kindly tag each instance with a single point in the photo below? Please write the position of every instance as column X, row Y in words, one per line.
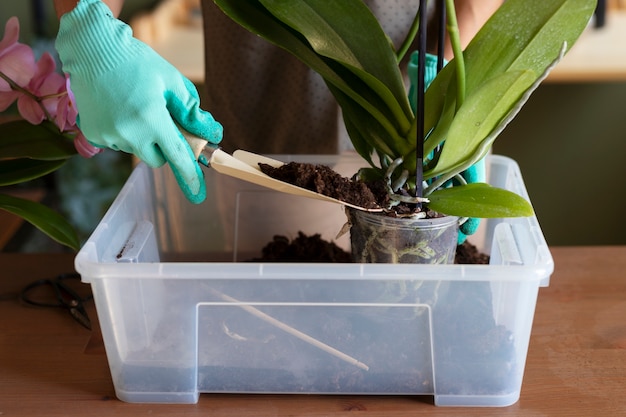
column 245, row 166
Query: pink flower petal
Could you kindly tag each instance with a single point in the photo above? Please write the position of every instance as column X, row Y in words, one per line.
column 66, row 108
column 45, row 66
column 45, row 82
column 53, row 84
column 30, row 110
column 44, row 69
column 84, row 148
column 72, row 109
column 7, row 98
column 62, row 111
column 17, row 60
column 17, row 63
column 11, row 33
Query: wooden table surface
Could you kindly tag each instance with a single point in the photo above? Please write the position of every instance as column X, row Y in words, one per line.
column 576, row 363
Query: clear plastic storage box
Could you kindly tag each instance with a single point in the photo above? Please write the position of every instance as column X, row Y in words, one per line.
column 186, row 309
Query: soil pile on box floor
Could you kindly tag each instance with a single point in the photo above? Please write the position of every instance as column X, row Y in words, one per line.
column 315, row 249
column 467, row 253
column 303, row 249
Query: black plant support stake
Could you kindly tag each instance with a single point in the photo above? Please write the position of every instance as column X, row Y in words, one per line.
column 441, row 39
column 421, row 72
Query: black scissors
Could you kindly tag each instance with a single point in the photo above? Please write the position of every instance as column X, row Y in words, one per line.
column 64, row 297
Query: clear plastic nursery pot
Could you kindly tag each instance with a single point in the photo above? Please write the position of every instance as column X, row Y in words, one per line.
column 185, row 309
column 376, row 238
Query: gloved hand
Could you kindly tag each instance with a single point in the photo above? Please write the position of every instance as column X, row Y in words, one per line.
column 475, row 173
column 128, row 97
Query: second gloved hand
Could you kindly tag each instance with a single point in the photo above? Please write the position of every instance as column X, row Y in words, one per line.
column 129, row 97
column 475, row 173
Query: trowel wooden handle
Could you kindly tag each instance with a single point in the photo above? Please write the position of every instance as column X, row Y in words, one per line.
column 196, row 143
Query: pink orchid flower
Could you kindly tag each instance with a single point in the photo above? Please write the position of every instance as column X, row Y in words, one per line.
column 41, row 92
column 45, row 82
column 7, row 98
column 66, row 108
column 83, row 147
column 66, row 120
column 17, row 62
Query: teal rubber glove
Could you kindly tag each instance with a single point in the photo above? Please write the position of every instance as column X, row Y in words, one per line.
column 129, row 98
column 475, row 173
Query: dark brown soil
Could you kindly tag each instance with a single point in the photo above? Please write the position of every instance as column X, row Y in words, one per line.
column 323, row 180
column 467, row 253
column 303, row 249
column 315, row 249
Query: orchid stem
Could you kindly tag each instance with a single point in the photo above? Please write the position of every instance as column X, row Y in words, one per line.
column 455, row 41
column 404, row 48
column 11, row 83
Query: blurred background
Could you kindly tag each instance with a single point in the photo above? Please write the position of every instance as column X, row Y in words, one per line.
column 569, row 140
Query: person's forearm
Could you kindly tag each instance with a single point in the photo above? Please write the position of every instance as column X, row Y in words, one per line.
column 471, row 15
column 64, row 6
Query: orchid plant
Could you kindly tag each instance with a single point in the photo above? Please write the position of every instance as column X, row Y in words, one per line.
column 465, row 108
column 45, row 136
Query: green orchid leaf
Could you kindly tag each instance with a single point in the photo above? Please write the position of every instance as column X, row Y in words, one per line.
column 479, row 200
column 481, row 113
column 368, row 132
column 348, row 32
column 343, row 42
column 48, row 221
column 359, row 141
column 539, row 28
column 20, row 139
column 339, row 31
column 255, row 18
column 537, row 40
column 16, row 171
column 437, row 137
